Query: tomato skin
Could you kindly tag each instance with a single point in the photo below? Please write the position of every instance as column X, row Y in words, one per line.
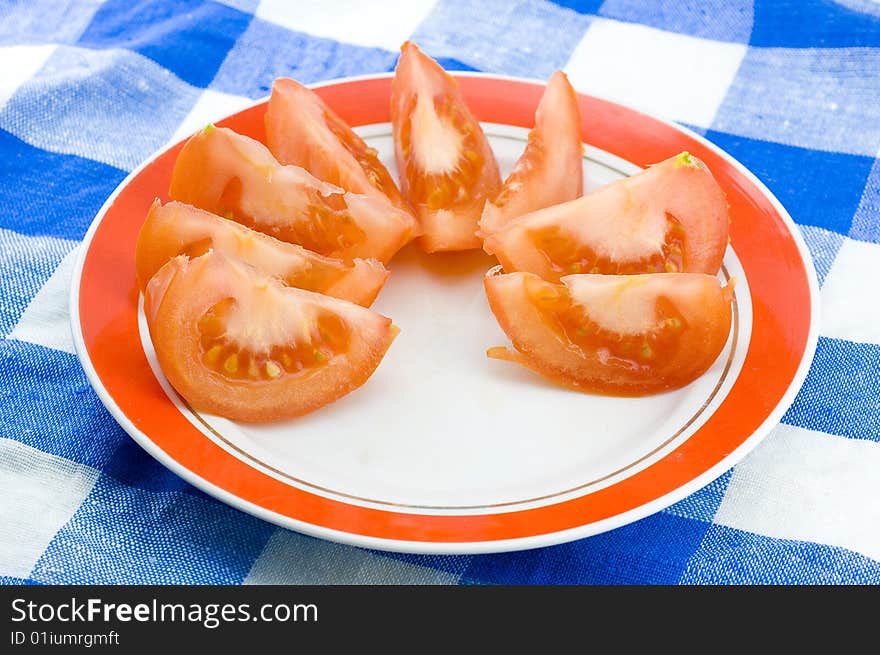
column 176, row 228
column 702, row 305
column 550, row 170
column 301, row 130
column 446, row 167
column 237, row 177
column 184, row 289
column 626, row 227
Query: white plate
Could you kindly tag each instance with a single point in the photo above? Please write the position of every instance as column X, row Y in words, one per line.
column 444, row 450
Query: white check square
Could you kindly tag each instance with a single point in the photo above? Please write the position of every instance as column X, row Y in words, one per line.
column 211, row 106
column 808, row 486
column 40, row 493
column 847, row 313
column 371, row 23
column 291, row 558
column 46, row 321
column 19, row 63
column 671, row 75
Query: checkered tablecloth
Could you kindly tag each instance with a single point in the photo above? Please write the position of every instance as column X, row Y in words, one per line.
column 88, row 89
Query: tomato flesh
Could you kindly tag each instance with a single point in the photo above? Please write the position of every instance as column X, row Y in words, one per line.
column 671, row 217
column 572, row 322
column 238, row 178
column 241, row 344
column 566, row 256
column 447, row 168
column 224, row 356
column 179, row 229
column 303, row 131
column 450, row 185
column 621, row 335
column 550, row 170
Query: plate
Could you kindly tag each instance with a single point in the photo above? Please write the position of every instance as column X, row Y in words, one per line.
column 444, row 450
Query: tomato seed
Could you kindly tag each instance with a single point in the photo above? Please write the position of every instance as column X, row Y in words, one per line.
column 272, row 369
column 212, row 356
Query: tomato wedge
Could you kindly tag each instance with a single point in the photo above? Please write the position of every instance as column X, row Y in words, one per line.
column 237, row 177
column 627, row 335
column 179, row 229
column 551, row 169
column 243, row 345
column 671, row 217
column 303, row 131
column 446, row 167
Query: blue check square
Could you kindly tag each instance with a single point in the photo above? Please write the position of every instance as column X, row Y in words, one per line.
column 52, row 21
column 56, row 410
column 816, row 23
column 729, row 556
column 125, row 535
column 112, row 106
column 517, row 38
column 816, row 187
column 841, row 394
column 266, row 51
column 651, row 551
column 708, row 19
column 703, row 504
column 822, row 98
column 26, row 263
column 824, row 246
column 191, row 38
column 580, row 6
column 866, row 222
column 49, row 193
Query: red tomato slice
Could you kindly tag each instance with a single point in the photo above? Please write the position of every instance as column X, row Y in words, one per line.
column 179, row 229
column 671, row 217
column 550, row 169
column 237, row 177
column 303, row 131
column 241, row 344
column 447, row 168
column 627, row 335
